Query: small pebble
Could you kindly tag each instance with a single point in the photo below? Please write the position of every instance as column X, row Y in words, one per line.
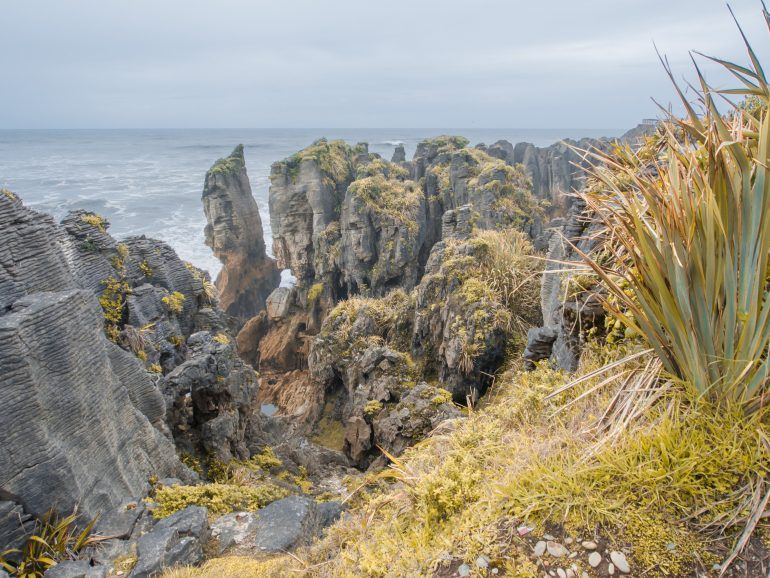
column 482, row 562
column 594, row 559
column 619, row 559
column 464, row 571
column 570, row 573
column 540, row 548
column 589, row 545
column 495, row 570
column 611, row 569
column 561, row 573
column 568, row 541
column 556, row 550
column 573, row 555
column 524, row 530
column 671, row 546
column 548, row 537
column 584, row 575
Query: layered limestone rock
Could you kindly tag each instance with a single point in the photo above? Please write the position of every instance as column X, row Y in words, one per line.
column 83, row 423
column 234, row 233
column 349, row 223
column 570, row 305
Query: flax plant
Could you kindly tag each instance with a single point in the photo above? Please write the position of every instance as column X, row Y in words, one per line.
column 689, row 219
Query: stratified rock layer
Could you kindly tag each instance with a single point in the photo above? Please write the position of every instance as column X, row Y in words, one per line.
column 78, row 412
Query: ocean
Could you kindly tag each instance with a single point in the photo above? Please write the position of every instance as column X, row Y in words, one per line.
column 149, row 182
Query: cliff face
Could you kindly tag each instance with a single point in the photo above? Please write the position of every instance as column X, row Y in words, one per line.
column 234, row 233
column 83, row 422
column 350, row 224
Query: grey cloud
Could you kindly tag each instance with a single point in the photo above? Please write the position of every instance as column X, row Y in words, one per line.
column 345, row 63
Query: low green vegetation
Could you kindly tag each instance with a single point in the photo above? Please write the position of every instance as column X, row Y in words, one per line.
column 334, row 158
column 228, row 165
column 95, row 221
column 395, row 200
column 174, row 302
column 217, row 498
column 54, row 539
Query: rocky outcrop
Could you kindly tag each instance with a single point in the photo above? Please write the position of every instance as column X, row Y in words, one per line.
column 234, row 233
column 82, row 422
column 570, row 303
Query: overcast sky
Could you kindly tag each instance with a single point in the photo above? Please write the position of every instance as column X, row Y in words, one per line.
column 352, row 63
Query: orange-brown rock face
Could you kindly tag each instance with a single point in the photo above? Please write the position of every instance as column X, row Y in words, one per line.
column 234, row 233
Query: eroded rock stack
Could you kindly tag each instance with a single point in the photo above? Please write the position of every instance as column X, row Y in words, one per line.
column 234, row 233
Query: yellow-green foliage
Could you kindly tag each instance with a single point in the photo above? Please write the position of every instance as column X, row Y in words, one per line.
column 315, row 292
column 113, row 300
column 266, row 459
column 95, row 221
column 231, row 164
column 218, row 498
column 222, row 339
column 526, row 459
column 329, row 432
column 238, row 471
column 398, row 201
column 142, row 354
column 234, row 567
column 333, row 158
column 145, row 268
column 175, row 340
column 446, row 143
column 192, row 462
column 383, row 168
column 155, row 368
column 509, row 267
column 372, row 407
column 443, row 396
column 174, row 302
column 8, row 194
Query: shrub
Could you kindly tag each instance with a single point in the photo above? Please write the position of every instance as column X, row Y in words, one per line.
column 174, row 302
column 315, row 292
column 692, row 230
column 217, row 498
column 95, row 221
column 222, row 339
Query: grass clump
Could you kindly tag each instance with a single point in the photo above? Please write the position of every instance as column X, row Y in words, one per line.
column 334, row 158
column 394, row 200
column 174, row 302
column 217, row 498
column 145, row 268
column 221, row 338
column 95, row 221
column 372, row 407
column 113, row 302
column 316, row 290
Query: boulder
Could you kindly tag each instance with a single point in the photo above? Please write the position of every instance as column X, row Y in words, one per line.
column 288, row 523
column 76, row 569
column 164, row 548
column 232, row 530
